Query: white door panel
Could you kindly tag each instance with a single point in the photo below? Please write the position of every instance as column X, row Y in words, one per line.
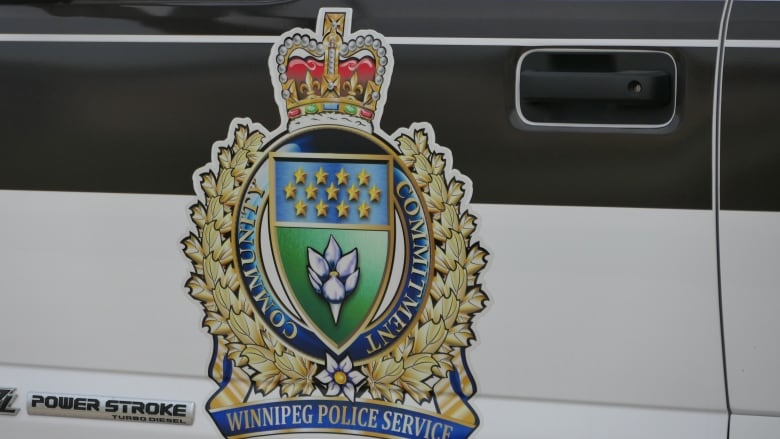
column 750, row 271
column 605, row 305
column 504, row 418
column 601, row 305
column 754, row 427
column 97, row 281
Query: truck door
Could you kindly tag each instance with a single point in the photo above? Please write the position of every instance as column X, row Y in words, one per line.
column 586, row 127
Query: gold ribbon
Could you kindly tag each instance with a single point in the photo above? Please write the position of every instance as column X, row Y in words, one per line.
column 450, row 403
column 237, row 390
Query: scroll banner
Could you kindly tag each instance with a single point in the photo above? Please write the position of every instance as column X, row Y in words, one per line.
column 236, row 420
column 327, row 415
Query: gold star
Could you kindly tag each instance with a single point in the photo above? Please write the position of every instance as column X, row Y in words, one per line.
column 300, row 176
column 321, row 176
column 311, row 192
column 342, row 176
column 300, row 208
column 333, row 192
column 322, row 208
column 343, row 209
column 289, row 191
column 363, row 210
column 354, row 193
column 373, row 193
column 363, row 178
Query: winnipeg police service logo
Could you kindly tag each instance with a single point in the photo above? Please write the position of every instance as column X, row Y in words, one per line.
column 336, row 264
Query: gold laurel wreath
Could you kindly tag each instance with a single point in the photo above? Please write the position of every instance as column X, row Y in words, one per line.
column 432, row 347
column 434, row 344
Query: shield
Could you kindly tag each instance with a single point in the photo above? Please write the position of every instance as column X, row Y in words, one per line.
column 332, row 229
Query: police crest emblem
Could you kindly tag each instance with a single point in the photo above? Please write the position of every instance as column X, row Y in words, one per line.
column 337, row 265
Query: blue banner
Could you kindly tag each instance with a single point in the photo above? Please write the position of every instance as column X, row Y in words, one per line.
column 334, row 416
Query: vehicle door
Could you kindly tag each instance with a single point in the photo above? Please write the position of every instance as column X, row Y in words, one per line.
column 585, row 126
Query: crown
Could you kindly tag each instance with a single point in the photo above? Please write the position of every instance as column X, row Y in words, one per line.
column 332, row 71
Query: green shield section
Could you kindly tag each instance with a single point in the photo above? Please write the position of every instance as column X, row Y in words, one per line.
column 372, row 248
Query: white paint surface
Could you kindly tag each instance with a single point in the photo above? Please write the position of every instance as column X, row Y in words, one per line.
column 599, row 305
column 750, row 270
column 97, row 281
column 754, row 427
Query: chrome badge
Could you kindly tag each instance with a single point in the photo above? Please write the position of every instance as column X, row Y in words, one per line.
column 7, row 398
column 151, row 411
column 337, row 265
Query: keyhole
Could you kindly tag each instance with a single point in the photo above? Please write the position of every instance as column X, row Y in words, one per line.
column 635, row 87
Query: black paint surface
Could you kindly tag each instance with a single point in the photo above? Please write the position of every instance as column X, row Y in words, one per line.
column 141, row 117
column 750, row 141
column 755, row 20
column 695, row 19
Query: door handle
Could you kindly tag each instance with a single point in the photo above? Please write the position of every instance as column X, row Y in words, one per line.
column 639, row 87
column 595, row 88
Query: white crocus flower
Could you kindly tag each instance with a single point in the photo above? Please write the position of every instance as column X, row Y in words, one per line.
column 340, row 377
column 333, row 276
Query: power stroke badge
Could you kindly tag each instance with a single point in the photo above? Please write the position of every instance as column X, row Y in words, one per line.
column 110, row 408
column 337, row 264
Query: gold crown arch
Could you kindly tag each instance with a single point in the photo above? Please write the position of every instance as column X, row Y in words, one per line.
column 348, row 95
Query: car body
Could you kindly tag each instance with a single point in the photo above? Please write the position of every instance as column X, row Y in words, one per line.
column 633, row 276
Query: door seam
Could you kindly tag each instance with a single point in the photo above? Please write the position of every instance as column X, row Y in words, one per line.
column 716, row 137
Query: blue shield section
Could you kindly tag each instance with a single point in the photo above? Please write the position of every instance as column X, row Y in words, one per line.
column 338, row 191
